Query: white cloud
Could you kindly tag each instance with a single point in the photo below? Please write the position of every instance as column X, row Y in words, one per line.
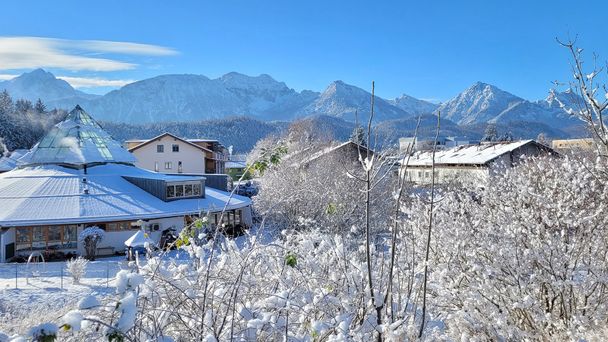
column 4, row 77
column 74, row 55
column 84, row 82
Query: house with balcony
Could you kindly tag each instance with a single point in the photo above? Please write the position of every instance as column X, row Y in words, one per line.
column 78, row 176
column 168, row 153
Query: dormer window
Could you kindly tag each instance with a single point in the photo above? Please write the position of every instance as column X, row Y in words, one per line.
column 160, row 148
column 183, row 190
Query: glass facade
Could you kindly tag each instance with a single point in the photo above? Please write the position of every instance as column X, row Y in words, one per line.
column 46, row 237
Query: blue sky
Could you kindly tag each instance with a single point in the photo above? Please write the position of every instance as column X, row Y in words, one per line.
column 430, row 50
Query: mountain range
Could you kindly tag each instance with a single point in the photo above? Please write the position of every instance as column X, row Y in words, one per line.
column 190, row 98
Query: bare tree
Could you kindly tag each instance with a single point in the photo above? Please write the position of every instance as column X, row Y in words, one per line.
column 587, row 85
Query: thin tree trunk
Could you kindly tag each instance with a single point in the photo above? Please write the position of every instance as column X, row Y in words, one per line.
column 428, row 237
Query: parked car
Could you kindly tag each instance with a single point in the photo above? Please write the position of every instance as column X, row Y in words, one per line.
column 247, row 188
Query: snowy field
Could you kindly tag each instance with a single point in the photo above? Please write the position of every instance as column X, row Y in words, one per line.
column 48, row 289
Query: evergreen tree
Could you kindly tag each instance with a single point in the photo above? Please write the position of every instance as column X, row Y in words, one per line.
column 6, row 102
column 40, row 107
column 23, row 106
column 358, row 136
column 491, row 134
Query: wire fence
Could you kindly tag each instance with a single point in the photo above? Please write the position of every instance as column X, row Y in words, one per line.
column 55, row 275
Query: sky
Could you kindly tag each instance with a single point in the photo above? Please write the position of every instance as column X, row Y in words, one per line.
column 427, row 49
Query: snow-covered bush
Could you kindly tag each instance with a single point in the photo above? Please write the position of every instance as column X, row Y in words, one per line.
column 46, row 332
column 308, row 188
column 525, row 258
column 88, row 302
column 90, row 237
column 77, row 267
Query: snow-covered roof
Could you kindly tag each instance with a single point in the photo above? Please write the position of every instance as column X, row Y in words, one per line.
column 8, row 163
column 478, row 154
column 187, row 141
column 77, row 140
column 54, row 194
column 138, row 239
column 236, row 164
column 331, row 149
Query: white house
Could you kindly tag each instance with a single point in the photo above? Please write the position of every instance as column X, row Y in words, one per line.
column 78, row 176
column 470, row 163
column 170, row 154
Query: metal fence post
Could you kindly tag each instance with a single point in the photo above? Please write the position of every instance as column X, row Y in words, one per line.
column 107, row 274
column 16, row 272
column 61, row 267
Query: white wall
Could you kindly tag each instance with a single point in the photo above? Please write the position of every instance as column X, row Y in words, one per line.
column 192, row 158
column 117, row 239
column 448, row 174
column 7, row 237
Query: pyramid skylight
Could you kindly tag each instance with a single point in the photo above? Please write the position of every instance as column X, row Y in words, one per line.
column 77, row 140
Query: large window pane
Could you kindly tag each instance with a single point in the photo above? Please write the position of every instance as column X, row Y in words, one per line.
column 38, row 238
column 196, row 189
column 69, row 236
column 188, row 190
column 179, row 191
column 23, row 235
column 23, row 241
column 54, row 237
column 170, row 191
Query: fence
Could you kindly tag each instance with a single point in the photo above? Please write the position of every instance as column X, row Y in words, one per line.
column 55, row 275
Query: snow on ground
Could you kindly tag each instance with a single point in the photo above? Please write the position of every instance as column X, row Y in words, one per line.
column 47, row 290
column 40, row 290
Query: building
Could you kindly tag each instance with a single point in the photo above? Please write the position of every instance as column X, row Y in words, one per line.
column 9, row 162
column 470, row 163
column 573, row 144
column 170, row 154
column 423, row 144
column 346, row 153
column 77, row 176
column 236, row 166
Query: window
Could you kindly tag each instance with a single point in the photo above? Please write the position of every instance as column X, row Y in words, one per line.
column 175, row 148
column 427, row 174
column 239, row 217
column 54, row 237
column 183, row 190
column 70, row 236
column 170, row 191
column 179, row 167
column 46, row 237
column 419, row 174
column 168, row 165
column 179, row 191
column 155, row 166
column 160, row 148
column 118, row 226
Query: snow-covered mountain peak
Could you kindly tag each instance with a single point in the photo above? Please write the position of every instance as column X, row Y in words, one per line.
column 241, row 81
column 480, row 102
column 41, row 84
column 413, row 105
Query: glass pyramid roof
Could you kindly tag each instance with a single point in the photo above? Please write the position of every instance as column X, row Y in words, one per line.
column 77, row 140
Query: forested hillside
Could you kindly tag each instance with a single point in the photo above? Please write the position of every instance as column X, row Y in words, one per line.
column 23, row 123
